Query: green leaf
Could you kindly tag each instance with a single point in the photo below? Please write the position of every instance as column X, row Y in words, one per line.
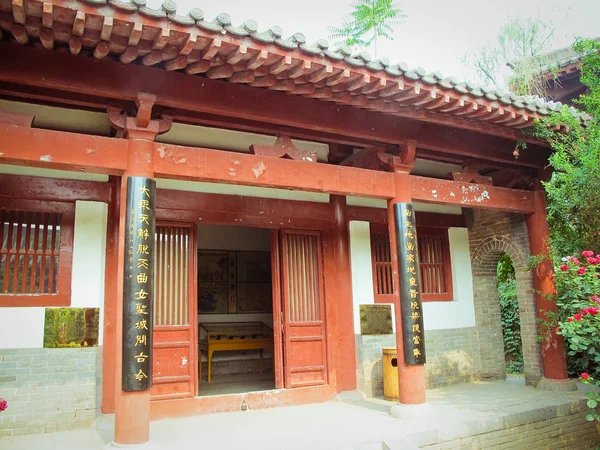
column 592, row 403
column 589, row 417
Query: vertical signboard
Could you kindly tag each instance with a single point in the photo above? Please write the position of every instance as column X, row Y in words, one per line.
column 410, row 284
column 138, row 284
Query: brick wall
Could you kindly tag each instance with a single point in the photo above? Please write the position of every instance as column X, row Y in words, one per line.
column 369, row 350
column 48, row 389
column 491, row 234
column 540, row 430
column 452, row 356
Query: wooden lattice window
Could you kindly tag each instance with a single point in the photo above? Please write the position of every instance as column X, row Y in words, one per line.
column 36, row 252
column 381, row 258
column 434, row 263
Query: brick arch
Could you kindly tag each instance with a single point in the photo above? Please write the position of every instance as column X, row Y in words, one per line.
column 490, row 237
column 487, row 254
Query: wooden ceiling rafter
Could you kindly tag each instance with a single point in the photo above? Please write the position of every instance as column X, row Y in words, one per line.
column 131, row 38
column 186, row 99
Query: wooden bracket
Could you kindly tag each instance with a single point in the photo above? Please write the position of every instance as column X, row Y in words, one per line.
column 471, row 176
column 381, row 158
column 9, row 118
column 524, row 182
column 284, row 148
column 142, row 126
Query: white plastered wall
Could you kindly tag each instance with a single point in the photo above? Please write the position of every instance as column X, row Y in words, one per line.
column 235, row 189
column 24, row 327
column 458, row 313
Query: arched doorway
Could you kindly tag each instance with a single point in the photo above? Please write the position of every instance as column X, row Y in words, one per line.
column 485, row 259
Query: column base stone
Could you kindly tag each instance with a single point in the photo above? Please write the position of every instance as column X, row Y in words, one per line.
column 150, row 445
column 401, row 411
column 547, row 384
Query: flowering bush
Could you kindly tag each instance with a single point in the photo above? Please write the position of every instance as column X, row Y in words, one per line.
column 578, row 301
column 593, row 396
column 3, row 404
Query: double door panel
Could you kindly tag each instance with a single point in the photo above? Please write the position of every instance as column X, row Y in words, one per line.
column 299, row 304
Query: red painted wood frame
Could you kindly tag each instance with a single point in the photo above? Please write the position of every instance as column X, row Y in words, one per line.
column 381, row 261
column 304, row 336
column 73, row 151
column 62, row 297
column 435, row 264
column 278, row 320
column 175, row 334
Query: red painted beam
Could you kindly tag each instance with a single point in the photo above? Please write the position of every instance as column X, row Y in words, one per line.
column 199, row 164
column 59, row 150
column 470, row 195
column 53, row 189
column 423, row 219
column 241, row 210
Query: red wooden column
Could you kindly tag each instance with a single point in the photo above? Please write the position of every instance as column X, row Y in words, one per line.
column 346, row 342
column 132, row 409
column 110, row 298
column 411, row 379
column 553, row 348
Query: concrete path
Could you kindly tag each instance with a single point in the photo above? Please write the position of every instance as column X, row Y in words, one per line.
column 452, row 411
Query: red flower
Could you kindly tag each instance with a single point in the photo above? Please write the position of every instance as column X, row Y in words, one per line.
column 585, row 375
column 595, row 299
column 577, row 317
column 575, row 260
column 564, row 267
column 570, row 319
column 3, row 404
column 585, row 311
column 587, row 253
column 593, row 311
column 581, row 271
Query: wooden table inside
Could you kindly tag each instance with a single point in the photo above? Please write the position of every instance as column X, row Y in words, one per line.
column 229, row 336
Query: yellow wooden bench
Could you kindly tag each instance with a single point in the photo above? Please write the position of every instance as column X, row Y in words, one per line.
column 229, row 336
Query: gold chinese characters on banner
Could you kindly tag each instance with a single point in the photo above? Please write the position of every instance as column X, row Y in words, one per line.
column 138, row 284
column 410, row 284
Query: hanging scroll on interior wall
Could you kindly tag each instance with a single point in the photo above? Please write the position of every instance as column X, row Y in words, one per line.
column 232, row 282
column 410, row 284
column 138, row 284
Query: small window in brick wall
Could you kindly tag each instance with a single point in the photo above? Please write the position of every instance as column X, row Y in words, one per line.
column 36, row 253
column 434, row 264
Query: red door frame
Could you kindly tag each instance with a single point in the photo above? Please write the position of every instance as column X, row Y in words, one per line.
column 220, row 209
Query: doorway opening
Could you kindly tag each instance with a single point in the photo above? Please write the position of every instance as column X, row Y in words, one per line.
column 235, row 310
column 510, row 317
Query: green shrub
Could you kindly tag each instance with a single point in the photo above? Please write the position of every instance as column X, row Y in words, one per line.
column 509, row 315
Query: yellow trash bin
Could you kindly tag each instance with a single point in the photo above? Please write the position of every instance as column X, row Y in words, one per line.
column 390, row 374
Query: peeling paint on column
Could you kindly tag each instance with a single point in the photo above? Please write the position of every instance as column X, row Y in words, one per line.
column 46, row 158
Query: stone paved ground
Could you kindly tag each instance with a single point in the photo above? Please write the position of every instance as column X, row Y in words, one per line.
column 452, row 414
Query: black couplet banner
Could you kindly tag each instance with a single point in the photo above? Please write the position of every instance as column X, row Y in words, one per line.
column 138, row 284
column 410, row 284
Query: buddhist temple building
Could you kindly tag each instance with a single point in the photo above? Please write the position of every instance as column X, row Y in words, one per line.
column 199, row 215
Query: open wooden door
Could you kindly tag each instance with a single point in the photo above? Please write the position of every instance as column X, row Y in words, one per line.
column 175, row 373
column 304, row 338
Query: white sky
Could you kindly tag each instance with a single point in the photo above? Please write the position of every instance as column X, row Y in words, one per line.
column 435, row 35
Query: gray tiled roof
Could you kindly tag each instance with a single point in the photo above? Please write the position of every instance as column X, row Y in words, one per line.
column 223, row 24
